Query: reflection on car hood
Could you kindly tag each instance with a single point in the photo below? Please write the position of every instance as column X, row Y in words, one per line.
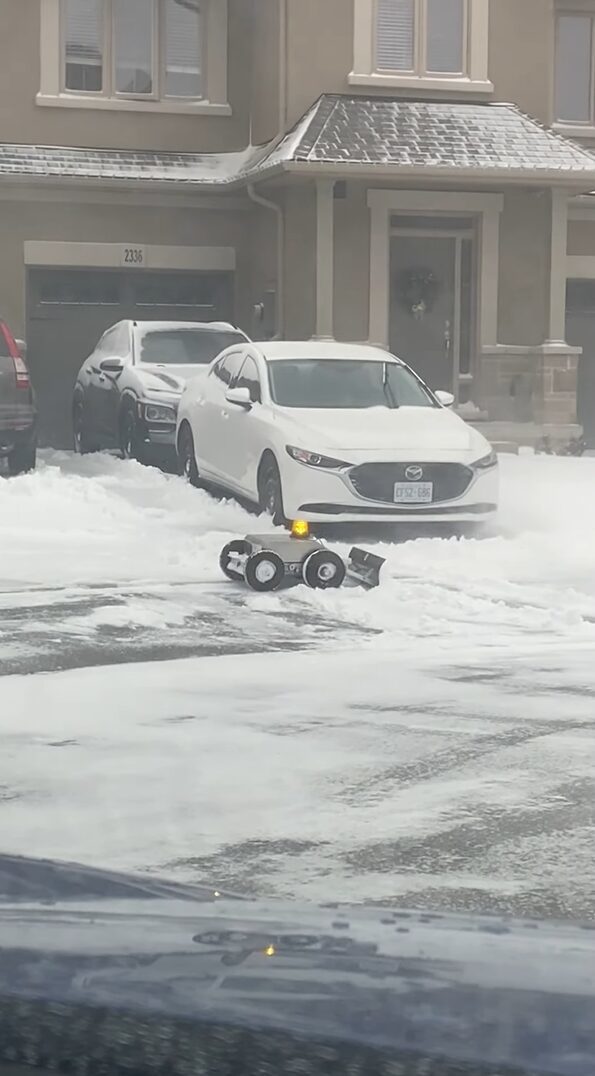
column 168, row 378
column 217, row 979
column 420, row 429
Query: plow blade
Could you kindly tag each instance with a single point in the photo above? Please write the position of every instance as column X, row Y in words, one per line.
column 363, row 568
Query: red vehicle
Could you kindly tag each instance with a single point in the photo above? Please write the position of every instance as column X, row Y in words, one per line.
column 18, row 415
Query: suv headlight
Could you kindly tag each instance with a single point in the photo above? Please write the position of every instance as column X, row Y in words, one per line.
column 160, row 412
column 314, row 459
column 486, row 462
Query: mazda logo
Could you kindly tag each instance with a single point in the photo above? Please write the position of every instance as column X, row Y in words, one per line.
column 414, row 474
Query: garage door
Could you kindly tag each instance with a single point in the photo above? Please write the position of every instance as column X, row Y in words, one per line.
column 69, row 309
column 580, row 332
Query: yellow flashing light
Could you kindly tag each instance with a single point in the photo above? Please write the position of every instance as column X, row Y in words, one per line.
column 300, row 529
column 270, row 950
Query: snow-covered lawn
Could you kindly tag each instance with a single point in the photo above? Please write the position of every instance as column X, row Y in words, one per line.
column 436, row 747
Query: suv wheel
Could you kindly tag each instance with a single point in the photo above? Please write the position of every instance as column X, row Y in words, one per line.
column 131, row 445
column 187, row 456
column 22, row 459
column 82, row 444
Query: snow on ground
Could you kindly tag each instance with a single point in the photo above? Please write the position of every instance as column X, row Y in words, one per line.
column 447, row 785
column 112, row 553
column 437, row 748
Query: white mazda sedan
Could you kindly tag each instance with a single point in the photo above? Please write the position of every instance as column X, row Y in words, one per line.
column 333, row 433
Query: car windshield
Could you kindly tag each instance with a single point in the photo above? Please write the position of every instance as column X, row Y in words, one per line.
column 184, row 347
column 345, row 383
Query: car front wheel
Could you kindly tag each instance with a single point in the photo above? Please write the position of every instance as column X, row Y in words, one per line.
column 271, row 492
column 187, row 456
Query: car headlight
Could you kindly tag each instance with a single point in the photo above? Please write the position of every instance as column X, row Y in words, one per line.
column 486, row 462
column 160, row 412
column 314, row 459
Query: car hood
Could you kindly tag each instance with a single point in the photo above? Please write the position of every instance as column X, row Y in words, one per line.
column 168, row 378
column 420, row 429
column 98, row 965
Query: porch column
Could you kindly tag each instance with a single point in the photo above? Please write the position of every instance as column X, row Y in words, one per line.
column 555, row 392
column 325, row 255
column 559, row 243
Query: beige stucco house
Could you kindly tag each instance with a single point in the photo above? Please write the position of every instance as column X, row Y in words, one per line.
column 415, row 173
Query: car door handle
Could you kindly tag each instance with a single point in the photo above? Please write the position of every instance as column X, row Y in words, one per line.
column 225, row 414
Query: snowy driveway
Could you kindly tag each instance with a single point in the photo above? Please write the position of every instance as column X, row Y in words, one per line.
column 431, row 742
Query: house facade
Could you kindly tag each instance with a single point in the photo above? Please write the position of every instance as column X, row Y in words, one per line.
column 412, row 173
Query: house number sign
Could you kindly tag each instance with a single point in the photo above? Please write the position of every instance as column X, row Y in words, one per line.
column 133, row 256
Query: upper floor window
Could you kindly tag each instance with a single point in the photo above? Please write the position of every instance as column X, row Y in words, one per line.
column 133, row 48
column 135, row 55
column 575, row 84
column 422, row 44
column 422, row 36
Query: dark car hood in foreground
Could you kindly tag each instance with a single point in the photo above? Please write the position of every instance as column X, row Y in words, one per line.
column 110, row 973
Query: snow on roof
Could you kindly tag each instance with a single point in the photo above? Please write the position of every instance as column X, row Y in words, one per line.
column 276, row 350
column 495, row 140
column 63, row 162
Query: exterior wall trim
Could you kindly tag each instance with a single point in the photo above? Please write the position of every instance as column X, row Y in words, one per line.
column 580, row 266
column 579, row 209
column 488, row 206
column 116, row 196
column 109, row 256
column 215, row 100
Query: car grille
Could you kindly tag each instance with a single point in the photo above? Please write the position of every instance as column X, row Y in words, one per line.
column 376, row 481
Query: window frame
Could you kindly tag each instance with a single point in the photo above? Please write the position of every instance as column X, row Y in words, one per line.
column 575, row 126
column 158, row 59
column 214, row 69
column 420, row 67
column 473, row 79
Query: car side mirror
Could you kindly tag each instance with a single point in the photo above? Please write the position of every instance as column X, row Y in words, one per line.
column 111, row 366
column 240, row 397
column 445, row 398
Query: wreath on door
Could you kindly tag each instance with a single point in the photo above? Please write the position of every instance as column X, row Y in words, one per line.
column 417, row 290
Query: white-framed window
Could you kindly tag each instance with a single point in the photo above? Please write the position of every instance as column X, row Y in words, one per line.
column 433, row 44
column 136, row 48
column 574, row 98
column 422, row 36
column 134, row 54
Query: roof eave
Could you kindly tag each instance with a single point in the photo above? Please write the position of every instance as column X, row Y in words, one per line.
column 533, row 177
column 174, row 186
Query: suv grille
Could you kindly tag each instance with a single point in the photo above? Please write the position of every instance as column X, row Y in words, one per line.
column 376, row 481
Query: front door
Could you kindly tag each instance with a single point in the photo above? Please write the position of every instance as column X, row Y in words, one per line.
column 431, row 305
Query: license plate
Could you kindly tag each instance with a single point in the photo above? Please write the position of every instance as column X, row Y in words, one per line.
column 414, row 492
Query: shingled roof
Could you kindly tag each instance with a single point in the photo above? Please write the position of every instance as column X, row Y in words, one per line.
column 126, row 166
column 357, row 135
column 496, row 140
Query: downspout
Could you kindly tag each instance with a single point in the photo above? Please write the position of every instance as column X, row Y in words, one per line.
column 266, row 203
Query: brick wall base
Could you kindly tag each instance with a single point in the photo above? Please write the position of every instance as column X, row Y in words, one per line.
column 536, row 385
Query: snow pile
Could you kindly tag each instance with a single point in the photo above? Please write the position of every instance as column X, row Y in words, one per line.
column 98, row 519
column 100, row 522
